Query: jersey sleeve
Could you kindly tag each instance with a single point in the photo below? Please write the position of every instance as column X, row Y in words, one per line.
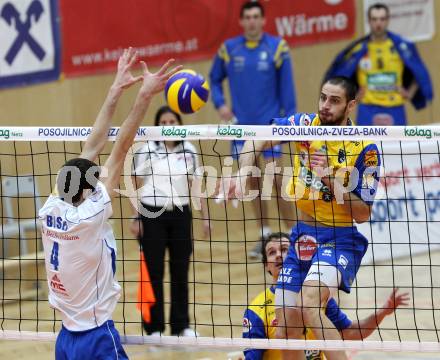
column 368, row 166
column 284, row 121
column 298, row 119
column 253, row 328
column 217, row 75
column 339, row 319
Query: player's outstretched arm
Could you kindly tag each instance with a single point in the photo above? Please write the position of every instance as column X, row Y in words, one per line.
column 151, row 85
column 123, row 80
column 361, row 329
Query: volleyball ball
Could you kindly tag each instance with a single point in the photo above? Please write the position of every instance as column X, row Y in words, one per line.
column 186, row 91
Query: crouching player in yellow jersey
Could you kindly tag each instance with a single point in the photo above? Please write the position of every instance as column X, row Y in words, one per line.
column 259, row 318
column 333, row 185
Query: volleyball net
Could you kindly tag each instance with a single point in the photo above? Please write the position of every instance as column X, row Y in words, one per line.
column 403, row 234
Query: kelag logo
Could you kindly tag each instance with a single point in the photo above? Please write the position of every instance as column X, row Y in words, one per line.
column 4, row 133
column 174, row 131
column 229, row 131
column 411, row 132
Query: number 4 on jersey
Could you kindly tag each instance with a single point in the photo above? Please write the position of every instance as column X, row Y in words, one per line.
column 54, row 256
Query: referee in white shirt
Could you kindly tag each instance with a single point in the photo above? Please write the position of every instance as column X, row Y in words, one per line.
column 165, row 170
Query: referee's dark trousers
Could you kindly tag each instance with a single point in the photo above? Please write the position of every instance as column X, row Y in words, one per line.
column 172, row 230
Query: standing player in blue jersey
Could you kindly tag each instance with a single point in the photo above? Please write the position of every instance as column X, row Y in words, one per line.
column 259, row 321
column 260, row 75
column 79, row 244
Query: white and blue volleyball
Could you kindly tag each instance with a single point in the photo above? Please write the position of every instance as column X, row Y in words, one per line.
column 186, row 91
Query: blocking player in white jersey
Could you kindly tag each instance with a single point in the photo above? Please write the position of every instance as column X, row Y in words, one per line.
column 79, row 246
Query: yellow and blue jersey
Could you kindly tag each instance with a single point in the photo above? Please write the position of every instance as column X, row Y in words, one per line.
column 260, row 79
column 259, row 322
column 347, row 63
column 380, row 74
column 312, row 196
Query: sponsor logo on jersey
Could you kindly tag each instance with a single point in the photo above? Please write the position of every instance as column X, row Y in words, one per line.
column 311, row 181
column 384, row 81
column 312, row 354
column 317, row 274
column 266, row 303
column 263, row 64
column 343, row 261
column 247, row 325
column 285, row 276
column 327, row 196
column 238, row 63
column 341, row 156
column 96, row 195
column 328, row 245
column 369, row 182
column 371, row 158
column 56, row 222
column 57, row 286
column 365, row 63
column 305, row 247
column 305, row 120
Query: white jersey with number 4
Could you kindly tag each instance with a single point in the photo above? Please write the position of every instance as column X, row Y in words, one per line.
column 80, row 256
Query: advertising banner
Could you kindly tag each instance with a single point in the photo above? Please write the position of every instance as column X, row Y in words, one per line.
column 95, row 32
column 384, row 134
column 412, row 19
column 406, row 211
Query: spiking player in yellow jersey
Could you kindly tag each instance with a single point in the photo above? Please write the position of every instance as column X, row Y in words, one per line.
column 259, row 319
column 334, row 185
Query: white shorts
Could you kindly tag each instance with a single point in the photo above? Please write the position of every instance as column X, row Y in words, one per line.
column 323, row 272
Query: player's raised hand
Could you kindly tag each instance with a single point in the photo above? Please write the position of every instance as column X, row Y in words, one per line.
column 395, row 300
column 229, row 188
column 318, row 159
column 124, row 79
column 225, row 114
column 155, row 82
